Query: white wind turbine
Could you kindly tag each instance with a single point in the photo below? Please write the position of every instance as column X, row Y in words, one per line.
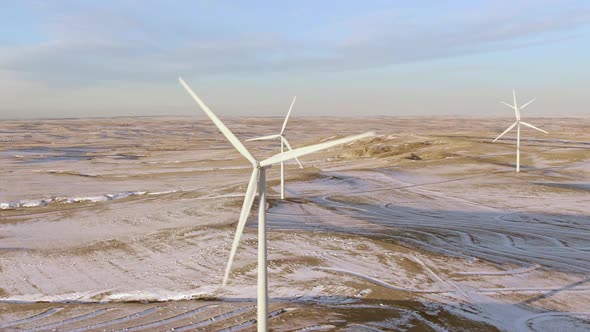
column 518, row 122
column 284, row 143
column 258, row 183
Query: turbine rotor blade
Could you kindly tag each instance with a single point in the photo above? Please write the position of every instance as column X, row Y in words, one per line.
column 505, row 103
column 290, row 148
column 263, row 138
column 246, row 207
column 224, row 130
column 530, row 125
column 527, row 104
column 505, row 131
column 515, row 107
column 312, row 148
column 514, row 96
column 287, row 117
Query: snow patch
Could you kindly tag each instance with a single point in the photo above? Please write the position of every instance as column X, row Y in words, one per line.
column 29, row 203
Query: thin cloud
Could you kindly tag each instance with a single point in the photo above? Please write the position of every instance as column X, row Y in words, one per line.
column 104, row 44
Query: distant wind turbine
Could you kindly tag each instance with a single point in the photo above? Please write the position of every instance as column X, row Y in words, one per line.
column 517, row 124
column 258, row 183
column 284, row 143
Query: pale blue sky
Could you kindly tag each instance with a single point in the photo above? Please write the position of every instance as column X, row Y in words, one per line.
column 73, row 58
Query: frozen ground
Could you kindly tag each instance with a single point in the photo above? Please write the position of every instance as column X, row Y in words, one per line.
column 126, row 223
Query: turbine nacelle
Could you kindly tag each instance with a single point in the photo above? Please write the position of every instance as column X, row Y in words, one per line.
column 517, row 124
column 517, row 113
column 260, row 166
column 515, row 106
column 284, row 143
column 283, row 136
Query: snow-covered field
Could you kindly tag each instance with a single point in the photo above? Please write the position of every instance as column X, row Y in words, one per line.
column 126, row 223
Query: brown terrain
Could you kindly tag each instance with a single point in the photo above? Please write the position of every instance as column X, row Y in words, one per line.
column 126, row 224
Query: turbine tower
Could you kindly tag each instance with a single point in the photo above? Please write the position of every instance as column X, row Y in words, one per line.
column 284, row 143
column 518, row 122
column 258, row 183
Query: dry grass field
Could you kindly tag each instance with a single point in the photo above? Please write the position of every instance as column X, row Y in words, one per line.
column 126, row 224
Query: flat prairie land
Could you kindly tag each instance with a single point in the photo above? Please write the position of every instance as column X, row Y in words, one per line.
column 126, row 224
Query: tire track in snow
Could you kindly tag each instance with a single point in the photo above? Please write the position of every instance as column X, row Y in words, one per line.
column 466, row 238
column 252, row 321
column 532, row 290
column 167, row 320
column 520, row 270
column 494, row 252
column 328, row 327
column 44, row 314
column 116, row 321
column 64, row 322
column 441, row 280
column 456, row 286
column 212, row 320
column 382, row 283
column 525, row 322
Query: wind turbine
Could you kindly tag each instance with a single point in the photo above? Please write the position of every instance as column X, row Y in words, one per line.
column 284, row 143
column 258, row 183
column 517, row 124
